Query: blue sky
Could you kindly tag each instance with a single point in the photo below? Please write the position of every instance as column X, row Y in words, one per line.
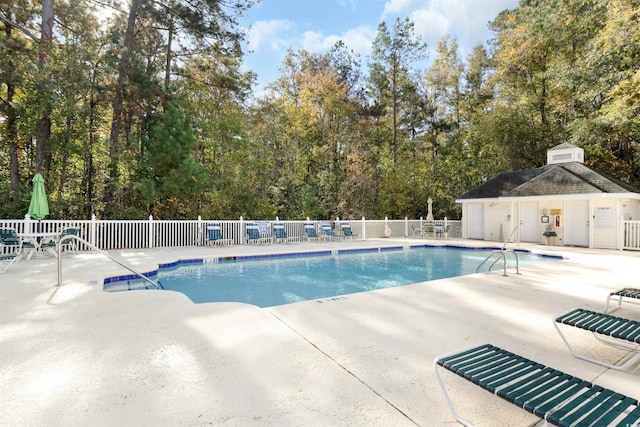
column 315, row 25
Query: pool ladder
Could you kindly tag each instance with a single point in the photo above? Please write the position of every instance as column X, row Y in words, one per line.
column 79, row 239
column 501, row 254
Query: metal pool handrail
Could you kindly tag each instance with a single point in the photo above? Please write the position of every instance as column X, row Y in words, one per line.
column 502, row 254
column 73, row 236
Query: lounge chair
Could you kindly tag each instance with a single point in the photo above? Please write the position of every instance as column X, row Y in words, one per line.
column 68, row 245
column 615, row 331
column 429, row 230
column 310, row 232
column 629, row 295
column 10, row 252
column 281, row 234
column 346, row 231
column 253, row 235
column 10, row 238
column 328, row 233
column 552, row 395
column 214, row 235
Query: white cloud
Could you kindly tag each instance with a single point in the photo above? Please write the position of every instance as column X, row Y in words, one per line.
column 350, row 3
column 430, row 24
column 467, row 20
column 360, row 39
column 398, row 7
column 267, row 33
column 357, row 39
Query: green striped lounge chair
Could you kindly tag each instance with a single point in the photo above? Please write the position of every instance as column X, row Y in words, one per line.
column 628, row 295
column 10, row 254
column 614, row 331
column 554, row 396
column 12, row 244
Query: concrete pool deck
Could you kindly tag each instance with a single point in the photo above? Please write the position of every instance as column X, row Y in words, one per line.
column 73, row 355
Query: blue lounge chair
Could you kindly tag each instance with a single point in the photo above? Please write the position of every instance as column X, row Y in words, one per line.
column 346, row 231
column 554, row 396
column 310, row 232
column 253, row 235
column 328, row 233
column 281, row 234
column 214, row 235
column 615, row 331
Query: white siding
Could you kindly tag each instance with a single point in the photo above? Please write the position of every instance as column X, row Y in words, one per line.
column 630, row 210
column 497, row 223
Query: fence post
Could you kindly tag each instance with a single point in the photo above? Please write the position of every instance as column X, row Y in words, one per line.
column 364, row 229
column 92, row 230
column 26, row 224
column 445, row 233
column 406, row 226
column 150, row 243
column 620, row 233
column 242, row 232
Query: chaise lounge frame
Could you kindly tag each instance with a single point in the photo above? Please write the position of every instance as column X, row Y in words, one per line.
column 628, row 295
column 611, row 330
column 556, row 397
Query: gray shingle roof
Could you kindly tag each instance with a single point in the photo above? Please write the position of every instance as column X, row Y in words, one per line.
column 556, row 179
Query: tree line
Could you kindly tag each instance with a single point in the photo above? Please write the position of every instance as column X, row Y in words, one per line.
column 147, row 111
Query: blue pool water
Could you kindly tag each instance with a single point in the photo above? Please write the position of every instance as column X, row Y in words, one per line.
column 267, row 282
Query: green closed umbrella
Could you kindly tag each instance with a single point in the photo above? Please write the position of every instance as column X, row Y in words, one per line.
column 39, row 207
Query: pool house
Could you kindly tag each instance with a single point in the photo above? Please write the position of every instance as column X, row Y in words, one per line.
column 564, row 203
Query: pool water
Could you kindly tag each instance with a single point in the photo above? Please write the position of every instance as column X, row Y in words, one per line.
column 284, row 280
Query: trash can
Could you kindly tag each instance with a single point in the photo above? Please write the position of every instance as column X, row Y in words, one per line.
column 550, row 238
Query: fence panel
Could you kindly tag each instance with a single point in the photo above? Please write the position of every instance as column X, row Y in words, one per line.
column 631, row 235
column 113, row 234
column 141, row 234
column 176, row 233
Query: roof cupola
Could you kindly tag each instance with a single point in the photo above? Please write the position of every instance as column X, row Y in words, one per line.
column 565, row 153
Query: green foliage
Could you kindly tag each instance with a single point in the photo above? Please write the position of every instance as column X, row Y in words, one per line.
column 144, row 124
column 171, row 179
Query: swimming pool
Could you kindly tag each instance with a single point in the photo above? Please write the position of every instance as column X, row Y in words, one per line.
column 284, row 279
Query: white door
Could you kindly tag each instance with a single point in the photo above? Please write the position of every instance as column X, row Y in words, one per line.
column 476, row 220
column 530, row 222
column 576, row 223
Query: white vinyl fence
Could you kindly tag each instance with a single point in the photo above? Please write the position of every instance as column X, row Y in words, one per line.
column 152, row 233
column 631, row 235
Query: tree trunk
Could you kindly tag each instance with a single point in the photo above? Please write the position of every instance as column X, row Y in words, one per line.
column 90, row 169
column 44, row 98
column 167, row 69
column 11, row 115
column 110, row 201
column 394, row 78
